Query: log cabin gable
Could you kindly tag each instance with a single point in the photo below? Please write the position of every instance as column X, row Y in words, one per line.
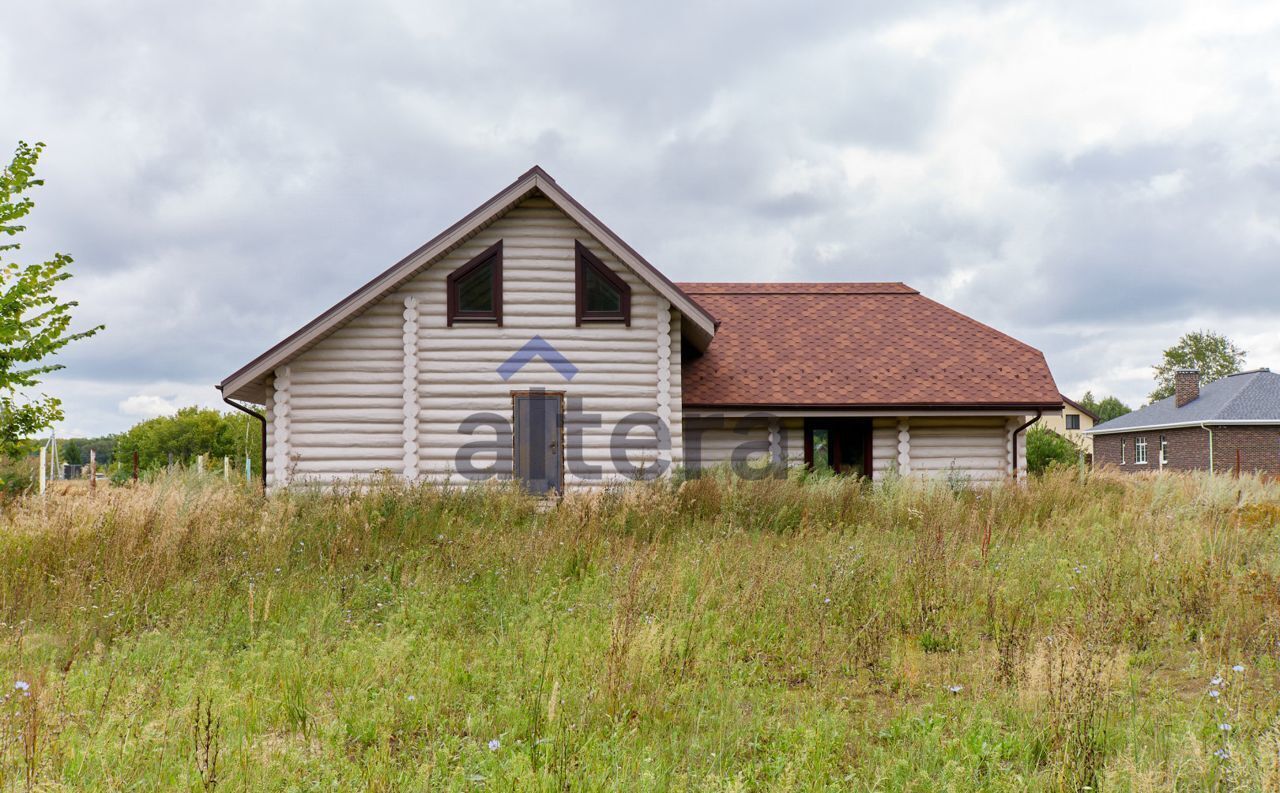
column 249, row 383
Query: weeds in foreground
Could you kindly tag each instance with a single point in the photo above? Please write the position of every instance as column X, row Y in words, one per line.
column 785, row 634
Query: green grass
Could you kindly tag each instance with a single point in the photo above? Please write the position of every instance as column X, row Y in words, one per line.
column 780, row 635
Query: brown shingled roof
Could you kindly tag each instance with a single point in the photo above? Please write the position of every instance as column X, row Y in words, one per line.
column 856, row 346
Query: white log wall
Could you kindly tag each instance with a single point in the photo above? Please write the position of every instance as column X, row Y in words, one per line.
column 357, row 399
column 884, row 447
column 677, row 393
column 718, row 437
column 269, row 413
column 971, row 447
column 347, row 401
column 975, row 448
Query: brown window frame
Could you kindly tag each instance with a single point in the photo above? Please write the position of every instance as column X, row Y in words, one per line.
column 454, row 314
column 582, row 259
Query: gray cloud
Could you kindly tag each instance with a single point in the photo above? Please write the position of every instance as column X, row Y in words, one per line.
column 1094, row 183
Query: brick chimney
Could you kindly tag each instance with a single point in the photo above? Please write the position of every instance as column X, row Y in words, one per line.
column 1186, row 386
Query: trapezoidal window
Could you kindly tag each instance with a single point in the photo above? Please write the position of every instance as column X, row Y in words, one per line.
column 475, row 288
column 601, row 295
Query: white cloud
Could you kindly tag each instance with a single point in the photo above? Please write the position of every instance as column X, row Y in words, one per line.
column 147, row 406
column 1096, row 180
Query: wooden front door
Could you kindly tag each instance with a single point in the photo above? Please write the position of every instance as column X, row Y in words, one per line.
column 538, row 437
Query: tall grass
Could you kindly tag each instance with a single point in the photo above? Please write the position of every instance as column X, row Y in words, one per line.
column 713, row 634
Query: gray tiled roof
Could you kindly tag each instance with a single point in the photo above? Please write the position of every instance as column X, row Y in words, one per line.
column 1239, row 398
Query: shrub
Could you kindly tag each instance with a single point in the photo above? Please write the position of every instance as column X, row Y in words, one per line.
column 17, row 476
column 1046, row 448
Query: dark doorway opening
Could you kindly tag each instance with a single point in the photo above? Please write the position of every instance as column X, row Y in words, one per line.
column 842, row 445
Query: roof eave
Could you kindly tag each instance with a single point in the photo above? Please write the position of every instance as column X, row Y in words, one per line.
column 1103, row 430
column 887, row 407
column 1069, row 401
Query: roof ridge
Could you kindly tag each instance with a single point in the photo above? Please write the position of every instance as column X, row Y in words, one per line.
column 1259, row 370
column 1239, row 392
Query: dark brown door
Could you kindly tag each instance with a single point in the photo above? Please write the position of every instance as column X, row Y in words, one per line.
column 539, row 458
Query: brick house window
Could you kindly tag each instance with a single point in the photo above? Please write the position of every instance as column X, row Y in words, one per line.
column 1140, row 451
column 1164, row 450
column 1123, row 444
column 1073, row 421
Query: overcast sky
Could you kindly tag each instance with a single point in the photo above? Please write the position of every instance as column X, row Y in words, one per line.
column 1095, row 179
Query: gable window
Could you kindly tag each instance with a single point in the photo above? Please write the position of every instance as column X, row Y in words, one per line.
column 1140, row 451
column 1073, row 421
column 475, row 288
column 601, row 295
column 1164, row 450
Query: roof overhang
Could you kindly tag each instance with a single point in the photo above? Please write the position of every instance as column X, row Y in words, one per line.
column 1068, row 401
column 249, row 382
column 783, row 413
column 882, row 409
column 1184, row 424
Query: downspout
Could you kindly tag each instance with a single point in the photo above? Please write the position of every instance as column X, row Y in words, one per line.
column 263, row 421
column 1039, row 413
column 1210, row 431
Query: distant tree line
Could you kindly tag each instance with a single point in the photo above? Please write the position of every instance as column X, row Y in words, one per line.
column 189, row 433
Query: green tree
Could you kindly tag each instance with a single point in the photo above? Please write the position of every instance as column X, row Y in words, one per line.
column 1212, row 353
column 1111, row 408
column 189, row 433
column 1105, row 410
column 34, row 323
column 71, row 452
column 1046, row 448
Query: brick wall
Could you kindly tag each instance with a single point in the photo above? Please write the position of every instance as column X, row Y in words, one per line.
column 1188, row 449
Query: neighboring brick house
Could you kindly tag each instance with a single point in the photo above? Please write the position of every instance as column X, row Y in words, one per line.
column 1230, row 424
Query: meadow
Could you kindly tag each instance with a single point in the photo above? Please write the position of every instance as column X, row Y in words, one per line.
column 1094, row 632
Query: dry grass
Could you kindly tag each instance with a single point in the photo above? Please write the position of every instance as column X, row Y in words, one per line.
column 821, row 634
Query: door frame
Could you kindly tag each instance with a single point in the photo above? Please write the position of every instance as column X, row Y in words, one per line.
column 515, row 434
column 834, row 425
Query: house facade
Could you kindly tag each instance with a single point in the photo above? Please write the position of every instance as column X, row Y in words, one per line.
column 1229, row 425
column 530, row 342
column 1073, row 423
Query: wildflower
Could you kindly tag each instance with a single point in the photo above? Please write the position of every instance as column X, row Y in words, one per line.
column 495, row 745
column 1222, row 754
column 22, row 686
column 1224, row 727
column 411, row 698
column 956, row 689
column 1237, row 668
column 826, row 600
column 1215, row 693
column 1216, row 681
